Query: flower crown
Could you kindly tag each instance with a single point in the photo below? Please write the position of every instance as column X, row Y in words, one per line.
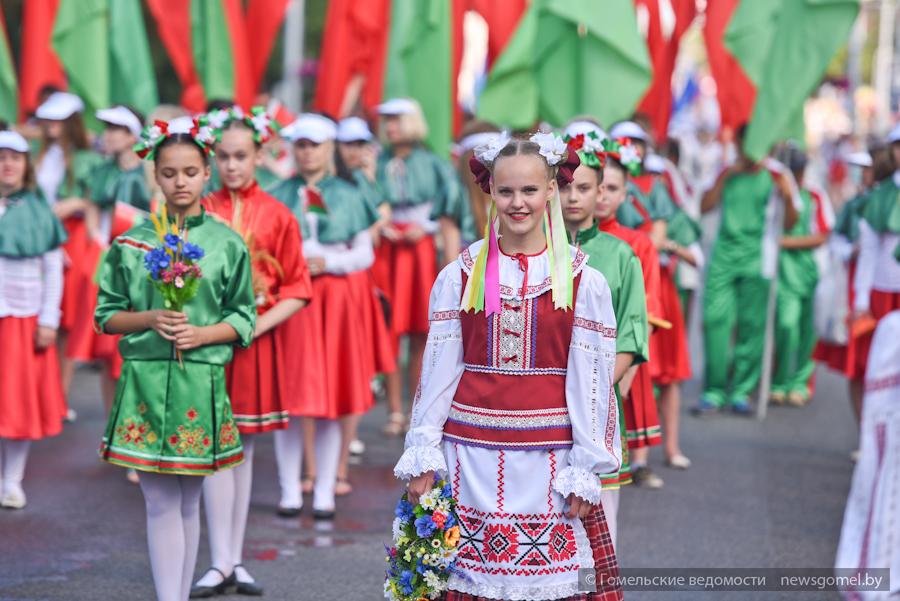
column 550, row 146
column 263, row 126
column 593, row 151
column 158, row 132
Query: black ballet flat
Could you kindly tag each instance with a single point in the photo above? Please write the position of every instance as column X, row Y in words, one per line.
column 203, row 592
column 250, row 589
column 288, row 512
column 322, row 514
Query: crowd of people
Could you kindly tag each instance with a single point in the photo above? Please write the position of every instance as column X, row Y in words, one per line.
column 536, row 291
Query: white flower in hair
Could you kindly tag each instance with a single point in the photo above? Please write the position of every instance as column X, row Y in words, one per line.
column 217, row 118
column 552, row 147
column 261, row 123
column 629, row 154
column 154, row 133
column 486, row 153
column 237, row 112
column 206, row 134
column 592, row 144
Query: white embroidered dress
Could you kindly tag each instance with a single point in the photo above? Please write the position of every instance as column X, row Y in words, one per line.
column 516, row 542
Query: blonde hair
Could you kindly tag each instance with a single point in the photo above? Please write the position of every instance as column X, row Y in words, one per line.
column 413, row 128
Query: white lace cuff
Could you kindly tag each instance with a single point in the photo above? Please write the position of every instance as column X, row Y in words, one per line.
column 417, row 460
column 585, row 484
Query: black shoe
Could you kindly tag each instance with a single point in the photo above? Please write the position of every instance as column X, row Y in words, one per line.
column 251, row 589
column 322, row 514
column 644, row 477
column 202, row 592
column 289, row 512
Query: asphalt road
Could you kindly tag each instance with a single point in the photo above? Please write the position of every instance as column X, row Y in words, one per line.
column 758, row 495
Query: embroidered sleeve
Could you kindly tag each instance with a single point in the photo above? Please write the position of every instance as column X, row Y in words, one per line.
column 51, row 293
column 589, row 392
column 442, row 367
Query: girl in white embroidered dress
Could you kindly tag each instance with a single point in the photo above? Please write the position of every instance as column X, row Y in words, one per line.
column 528, row 504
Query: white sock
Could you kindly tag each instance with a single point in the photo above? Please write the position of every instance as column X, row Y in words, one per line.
column 15, row 456
column 190, row 523
column 165, row 533
column 609, row 500
column 243, row 482
column 328, row 455
column 218, row 502
column 289, row 457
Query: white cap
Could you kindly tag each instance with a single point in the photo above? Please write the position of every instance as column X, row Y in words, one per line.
column 13, row 141
column 122, row 116
column 59, row 106
column 353, row 129
column 894, row 136
column 859, row 159
column 654, row 164
column 576, row 128
column 398, row 106
column 181, row 125
column 310, row 126
column 629, row 129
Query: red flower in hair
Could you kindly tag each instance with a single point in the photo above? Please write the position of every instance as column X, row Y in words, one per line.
column 481, row 173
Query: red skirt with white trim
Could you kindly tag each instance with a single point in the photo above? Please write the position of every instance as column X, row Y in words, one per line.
column 406, row 273
column 327, row 353
column 32, row 404
column 669, row 348
column 256, row 383
column 641, row 415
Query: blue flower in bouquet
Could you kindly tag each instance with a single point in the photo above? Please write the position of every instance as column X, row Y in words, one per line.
column 450, row 522
column 420, row 566
column 192, row 252
column 171, row 241
column 447, row 491
column 425, row 526
column 406, row 582
column 404, row 510
column 155, row 261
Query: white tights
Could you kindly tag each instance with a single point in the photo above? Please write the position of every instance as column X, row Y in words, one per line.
column 13, row 457
column 173, row 531
column 609, row 500
column 226, row 499
column 289, row 455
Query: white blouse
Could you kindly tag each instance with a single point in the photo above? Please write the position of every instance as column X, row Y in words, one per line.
column 340, row 258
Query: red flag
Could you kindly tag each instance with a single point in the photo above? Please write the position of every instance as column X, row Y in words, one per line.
column 244, row 92
column 264, row 19
column 354, row 45
column 657, row 102
column 173, row 24
column 735, row 91
column 39, row 64
column 502, row 19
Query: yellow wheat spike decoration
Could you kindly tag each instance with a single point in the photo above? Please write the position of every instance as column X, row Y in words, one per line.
column 257, row 255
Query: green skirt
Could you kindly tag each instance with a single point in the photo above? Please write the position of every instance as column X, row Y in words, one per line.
column 171, row 420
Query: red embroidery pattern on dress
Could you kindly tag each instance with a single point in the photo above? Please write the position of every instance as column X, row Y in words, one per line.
column 136, row 433
column 190, row 441
column 515, row 544
column 612, row 422
column 881, row 383
column 595, row 326
column 500, row 461
column 445, row 315
column 138, row 244
column 552, row 478
column 228, row 435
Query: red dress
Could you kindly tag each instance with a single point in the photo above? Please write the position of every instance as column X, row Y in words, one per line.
column 256, row 377
column 641, row 415
column 669, row 348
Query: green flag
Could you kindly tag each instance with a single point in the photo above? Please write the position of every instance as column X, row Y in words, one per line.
column 9, row 89
column 212, row 49
column 419, row 64
column 784, row 46
column 81, row 40
column 132, row 77
column 568, row 58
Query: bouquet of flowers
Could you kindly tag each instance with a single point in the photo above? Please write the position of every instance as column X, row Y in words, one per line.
column 424, row 550
column 172, row 266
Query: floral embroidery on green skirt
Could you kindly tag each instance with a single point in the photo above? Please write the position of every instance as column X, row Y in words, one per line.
column 172, row 420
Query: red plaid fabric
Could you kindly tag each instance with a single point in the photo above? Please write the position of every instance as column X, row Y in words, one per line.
column 606, row 566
